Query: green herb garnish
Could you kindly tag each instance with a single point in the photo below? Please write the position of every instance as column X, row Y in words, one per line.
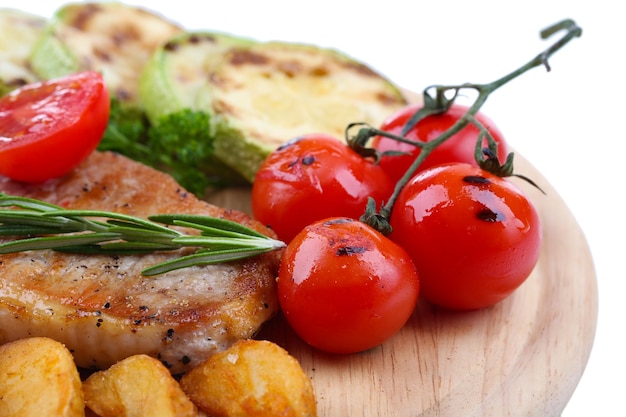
column 180, row 144
column 40, row 225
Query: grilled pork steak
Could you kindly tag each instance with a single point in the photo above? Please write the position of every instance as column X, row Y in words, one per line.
column 102, row 308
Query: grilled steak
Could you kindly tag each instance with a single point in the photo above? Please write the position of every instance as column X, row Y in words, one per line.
column 102, row 308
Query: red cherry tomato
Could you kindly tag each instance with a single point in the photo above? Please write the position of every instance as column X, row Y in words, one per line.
column 48, row 128
column 474, row 237
column 311, row 178
column 344, row 288
column 458, row 148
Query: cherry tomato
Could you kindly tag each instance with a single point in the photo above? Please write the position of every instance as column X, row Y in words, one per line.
column 48, row 128
column 458, row 148
column 313, row 177
column 474, row 237
column 344, row 288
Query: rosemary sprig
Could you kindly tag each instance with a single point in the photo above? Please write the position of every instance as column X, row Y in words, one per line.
column 39, row 225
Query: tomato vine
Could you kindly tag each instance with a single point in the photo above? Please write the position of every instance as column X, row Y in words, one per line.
column 438, row 99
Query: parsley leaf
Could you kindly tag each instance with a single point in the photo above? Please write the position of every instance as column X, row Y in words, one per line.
column 180, row 143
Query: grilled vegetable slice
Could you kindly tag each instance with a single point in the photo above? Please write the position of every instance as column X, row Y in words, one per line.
column 175, row 77
column 262, row 94
column 274, row 92
column 114, row 38
column 174, row 80
column 19, row 32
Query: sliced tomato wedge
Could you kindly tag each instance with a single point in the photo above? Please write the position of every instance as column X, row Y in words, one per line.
column 48, row 128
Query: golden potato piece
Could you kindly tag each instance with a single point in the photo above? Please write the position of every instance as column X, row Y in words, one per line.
column 139, row 385
column 89, row 413
column 38, row 377
column 251, row 378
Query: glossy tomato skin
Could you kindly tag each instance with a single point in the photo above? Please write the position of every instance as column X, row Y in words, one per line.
column 458, row 148
column 49, row 127
column 474, row 237
column 345, row 288
column 313, row 177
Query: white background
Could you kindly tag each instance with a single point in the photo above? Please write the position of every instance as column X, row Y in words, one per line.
column 569, row 122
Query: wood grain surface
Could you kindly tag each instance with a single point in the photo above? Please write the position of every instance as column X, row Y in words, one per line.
column 523, row 357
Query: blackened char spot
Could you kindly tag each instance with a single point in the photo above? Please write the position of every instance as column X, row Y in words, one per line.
column 308, row 160
column 340, row 220
column 16, row 82
column 82, row 19
column 289, row 143
column 350, row 250
column 245, row 57
column 171, row 46
column 290, row 68
column 488, row 215
column 169, row 335
column 476, row 179
column 193, row 39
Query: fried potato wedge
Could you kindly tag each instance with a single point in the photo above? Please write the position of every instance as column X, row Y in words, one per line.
column 139, row 385
column 251, row 378
column 39, row 378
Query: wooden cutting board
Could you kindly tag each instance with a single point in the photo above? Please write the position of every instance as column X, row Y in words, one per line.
column 523, row 357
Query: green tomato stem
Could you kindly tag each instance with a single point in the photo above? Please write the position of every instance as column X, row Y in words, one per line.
column 439, row 103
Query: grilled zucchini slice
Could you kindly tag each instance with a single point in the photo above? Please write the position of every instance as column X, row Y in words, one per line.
column 273, row 92
column 175, row 77
column 19, row 31
column 262, row 94
column 174, row 80
column 111, row 37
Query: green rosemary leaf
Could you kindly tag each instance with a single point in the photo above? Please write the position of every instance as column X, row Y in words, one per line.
column 202, row 258
column 118, row 248
column 26, row 203
column 103, row 232
column 82, row 214
column 134, row 234
column 26, row 230
column 56, row 242
column 137, row 247
column 207, row 221
column 211, row 242
column 210, row 231
column 34, row 218
column 152, row 227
